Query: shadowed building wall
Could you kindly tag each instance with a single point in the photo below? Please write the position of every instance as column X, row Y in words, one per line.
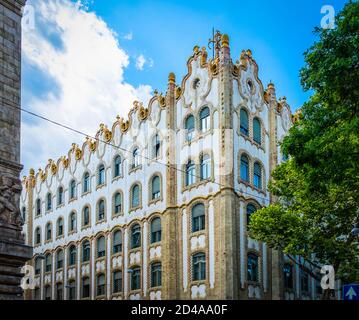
column 13, row 252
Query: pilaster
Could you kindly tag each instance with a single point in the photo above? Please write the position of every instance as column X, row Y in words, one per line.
column 228, row 246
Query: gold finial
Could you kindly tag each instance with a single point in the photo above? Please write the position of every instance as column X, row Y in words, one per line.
column 271, row 85
column 32, row 172
column 171, row 78
column 204, row 57
column 249, row 53
column 225, row 41
column 196, row 49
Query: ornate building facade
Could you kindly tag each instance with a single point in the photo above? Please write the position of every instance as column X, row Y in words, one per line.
column 157, row 205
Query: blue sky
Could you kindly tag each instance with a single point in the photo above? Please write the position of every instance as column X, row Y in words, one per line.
column 278, row 32
column 83, row 65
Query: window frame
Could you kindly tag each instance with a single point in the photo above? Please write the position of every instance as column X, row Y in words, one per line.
column 199, row 265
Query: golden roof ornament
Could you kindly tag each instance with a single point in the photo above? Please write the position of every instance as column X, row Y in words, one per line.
column 65, row 162
column 297, row 115
column 107, row 133
column 124, row 125
column 196, row 50
column 204, row 57
column 178, row 92
column 142, row 111
column 225, row 41
column 161, row 100
column 91, row 144
column 53, row 167
column 171, row 78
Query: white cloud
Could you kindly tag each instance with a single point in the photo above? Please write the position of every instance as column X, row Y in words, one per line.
column 140, row 62
column 128, row 36
column 87, row 68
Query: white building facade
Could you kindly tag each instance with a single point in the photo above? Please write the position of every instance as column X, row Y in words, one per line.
column 157, row 205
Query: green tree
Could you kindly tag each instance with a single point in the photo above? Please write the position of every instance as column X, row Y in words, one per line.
column 316, row 190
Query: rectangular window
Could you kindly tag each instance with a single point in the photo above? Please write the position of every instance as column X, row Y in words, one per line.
column 136, row 279
column 156, row 275
column 117, row 281
column 86, row 288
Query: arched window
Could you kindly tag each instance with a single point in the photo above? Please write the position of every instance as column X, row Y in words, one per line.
column 23, row 213
column 135, row 196
column 198, row 217
column 156, row 187
column 205, row 165
column 244, row 122
column 117, row 203
column 156, row 146
column 257, row 177
column 156, row 274
column 288, row 276
column 101, row 247
column 101, row 285
column 135, row 158
column 257, row 131
column 72, row 189
column 48, row 201
column 199, row 266
column 86, row 182
column 72, row 222
column 60, row 196
column 117, row 242
column 86, row 251
column 244, row 170
column 204, row 119
column 72, row 255
column 60, row 227
column 190, row 173
column 101, row 175
column 101, row 210
column 37, row 235
column 59, row 259
column 86, row 216
column 48, row 231
column 48, row 262
column 117, row 281
column 37, row 265
column 189, row 126
column 135, row 278
column 252, row 267
column 250, row 210
column 38, row 207
column 117, row 165
column 135, row 236
column 155, row 230
column 86, row 287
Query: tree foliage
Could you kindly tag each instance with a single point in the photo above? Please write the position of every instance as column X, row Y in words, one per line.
column 317, row 189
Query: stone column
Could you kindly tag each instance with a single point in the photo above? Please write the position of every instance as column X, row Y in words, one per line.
column 227, row 217
column 276, row 256
column 169, row 250
column 13, row 251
